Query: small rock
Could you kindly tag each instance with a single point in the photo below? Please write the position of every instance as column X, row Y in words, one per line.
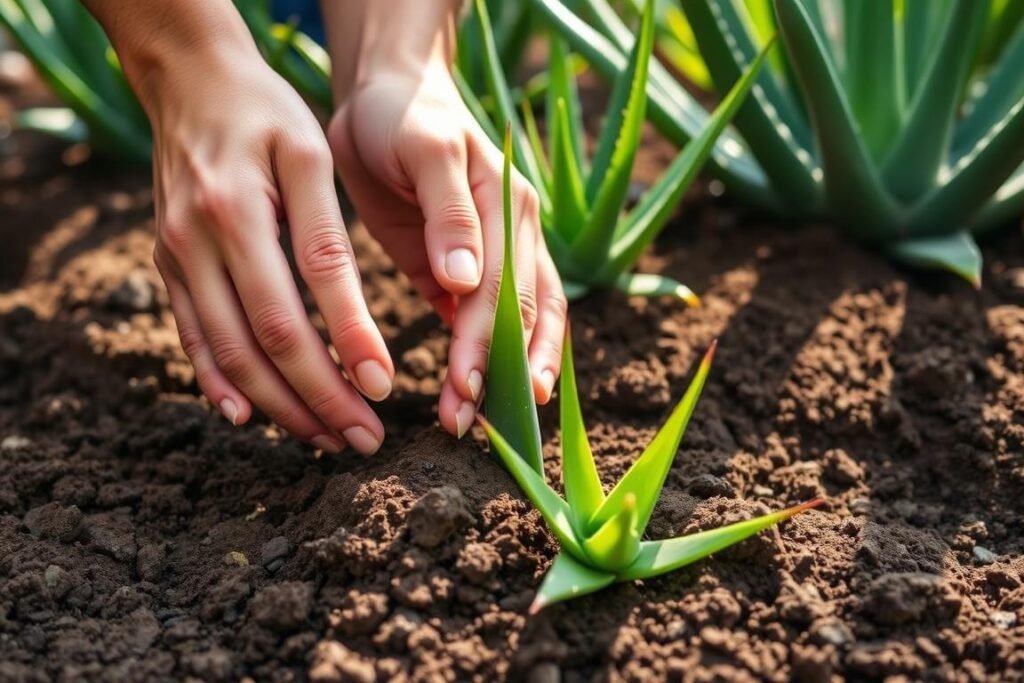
column 14, row 442
column 437, row 515
column 282, row 607
column 135, row 294
column 236, row 559
column 860, row 506
column 983, row 555
column 763, row 491
column 1003, row 620
column 831, row 632
column 276, row 548
column 710, row 486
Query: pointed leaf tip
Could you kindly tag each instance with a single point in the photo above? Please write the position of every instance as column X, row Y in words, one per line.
column 709, row 355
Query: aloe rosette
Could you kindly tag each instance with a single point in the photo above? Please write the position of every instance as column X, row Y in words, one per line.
column 601, row 535
column 901, row 121
column 594, row 240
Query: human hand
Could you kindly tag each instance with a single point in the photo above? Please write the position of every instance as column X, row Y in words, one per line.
column 235, row 151
column 427, row 182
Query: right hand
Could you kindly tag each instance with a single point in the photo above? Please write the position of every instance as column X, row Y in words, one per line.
column 235, row 151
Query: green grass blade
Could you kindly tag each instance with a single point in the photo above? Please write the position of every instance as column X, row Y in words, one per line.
column 853, row 188
column 505, row 111
column 612, row 166
column 873, row 73
column 562, row 87
column 569, row 210
column 553, row 509
column 957, row 253
column 658, row 204
column 913, row 164
column 1004, row 87
column 771, row 124
column 973, row 179
column 615, row 545
column 652, row 285
column 579, row 473
column 509, row 392
column 567, row 579
column 646, row 477
column 660, row 557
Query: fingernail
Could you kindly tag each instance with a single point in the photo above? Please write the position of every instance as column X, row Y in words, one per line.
column 460, row 264
column 230, row 410
column 548, row 379
column 373, row 380
column 362, row 439
column 464, row 417
column 326, row 443
column 476, row 383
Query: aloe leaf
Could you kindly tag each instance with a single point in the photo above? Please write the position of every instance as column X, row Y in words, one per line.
column 873, row 72
column 574, row 291
column 646, row 477
column 579, row 473
column 553, row 509
column 474, row 106
column 616, row 544
column 676, row 41
column 914, row 161
column 973, row 179
column 652, row 285
column 60, row 122
column 533, row 135
column 505, row 110
column 1007, row 204
column 922, row 28
column 562, row 88
column 1004, row 19
column 569, row 211
column 509, row 392
column 853, row 188
column 660, row 557
column 1004, row 87
column 566, row 579
column 957, row 253
column 658, row 204
column 612, row 164
column 772, row 126
column 673, row 111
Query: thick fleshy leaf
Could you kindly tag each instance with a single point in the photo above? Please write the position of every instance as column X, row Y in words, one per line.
column 651, row 285
column 569, row 211
column 874, row 79
column 957, row 253
column 646, row 477
column 853, row 187
column 1007, row 204
column 579, row 473
column 616, row 544
column 660, row 557
column 551, row 506
column 1003, row 88
column 566, row 579
column 675, row 40
column 912, row 167
column 922, row 29
column 509, row 392
column 533, row 135
column 658, row 204
column 563, row 89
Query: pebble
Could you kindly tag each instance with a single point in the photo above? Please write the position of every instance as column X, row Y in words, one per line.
column 763, row 491
column 1003, row 620
column 276, row 548
column 983, row 555
column 135, row 294
column 14, row 442
column 860, row 506
column 236, row 558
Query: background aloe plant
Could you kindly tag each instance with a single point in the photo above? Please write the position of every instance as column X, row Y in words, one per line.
column 600, row 534
column 592, row 241
column 900, row 120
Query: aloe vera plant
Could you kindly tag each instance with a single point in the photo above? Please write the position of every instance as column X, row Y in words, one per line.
column 601, row 535
column 593, row 241
column 867, row 118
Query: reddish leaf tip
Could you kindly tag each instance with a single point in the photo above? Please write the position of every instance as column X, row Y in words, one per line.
column 537, row 605
column 710, row 353
column 803, row 507
column 692, row 300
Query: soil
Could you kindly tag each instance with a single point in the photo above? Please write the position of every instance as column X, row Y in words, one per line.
column 144, row 538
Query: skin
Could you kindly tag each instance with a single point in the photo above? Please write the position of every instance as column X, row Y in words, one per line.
column 238, row 155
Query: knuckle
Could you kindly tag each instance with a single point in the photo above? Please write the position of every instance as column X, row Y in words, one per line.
column 528, row 307
column 215, row 201
column 277, row 330
column 326, row 255
column 528, row 197
column 310, row 153
column 343, row 330
column 325, row 402
column 457, row 215
column 443, row 146
column 175, row 236
column 233, row 359
column 192, row 342
column 557, row 305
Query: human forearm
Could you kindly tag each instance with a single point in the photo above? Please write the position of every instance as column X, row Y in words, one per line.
column 369, row 36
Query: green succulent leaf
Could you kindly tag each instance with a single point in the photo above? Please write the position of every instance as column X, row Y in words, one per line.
column 1003, row 88
column 874, row 81
column 660, row 557
column 567, row 201
column 579, row 473
column 646, row 477
column 509, row 392
column 475, row 107
column 563, row 89
column 1007, row 204
column 922, row 29
column 652, row 285
column 957, row 253
column 616, row 544
column 568, row 578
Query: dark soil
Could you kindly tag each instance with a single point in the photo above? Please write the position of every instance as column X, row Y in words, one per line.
column 144, row 538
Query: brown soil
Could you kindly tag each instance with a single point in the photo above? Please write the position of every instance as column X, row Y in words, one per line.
column 143, row 538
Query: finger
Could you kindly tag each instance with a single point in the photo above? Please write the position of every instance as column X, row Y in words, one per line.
column 212, row 382
column 239, row 357
column 258, row 267
column 454, row 412
column 451, row 223
column 545, row 349
column 328, row 266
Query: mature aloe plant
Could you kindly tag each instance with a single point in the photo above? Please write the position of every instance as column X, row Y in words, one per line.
column 867, row 119
column 593, row 241
column 601, row 535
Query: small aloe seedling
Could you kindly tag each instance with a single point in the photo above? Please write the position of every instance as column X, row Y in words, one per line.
column 593, row 240
column 600, row 534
